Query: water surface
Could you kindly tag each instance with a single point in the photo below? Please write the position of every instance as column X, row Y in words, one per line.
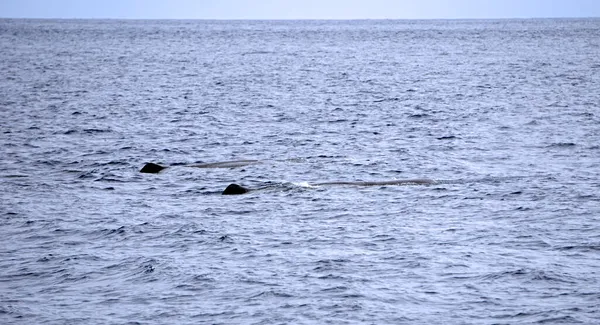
column 506, row 109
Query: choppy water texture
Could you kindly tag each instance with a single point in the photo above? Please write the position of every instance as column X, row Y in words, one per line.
column 87, row 239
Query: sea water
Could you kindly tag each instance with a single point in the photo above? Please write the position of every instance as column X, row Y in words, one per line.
column 508, row 111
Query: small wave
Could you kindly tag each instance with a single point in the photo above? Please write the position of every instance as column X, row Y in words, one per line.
column 257, row 53
column 111, row 232
column 335, row 289
column 86, row 131
column 226, row 238
column 11, row 310
column 383, row 238
column 418, row 116
column 583, row 248
column 337, row 121
column 531, row 275
column 88, row 174
column 97, row 130
column 271, row 293
column 110, row 179
column 562, row 145
column 327, row 156
column 523, row 209
column 391, row 99
column 15, row 176
column 559, row 320
column 331, row 277
column 136, row 269
column 304, row 184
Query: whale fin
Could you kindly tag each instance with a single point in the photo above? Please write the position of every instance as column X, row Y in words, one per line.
column 152, row 168
column 234, row 189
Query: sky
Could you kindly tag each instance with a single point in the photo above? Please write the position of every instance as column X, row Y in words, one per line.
column 298, row 9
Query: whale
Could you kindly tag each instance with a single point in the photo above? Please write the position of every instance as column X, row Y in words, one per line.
column 153, row 168
column 236, row 189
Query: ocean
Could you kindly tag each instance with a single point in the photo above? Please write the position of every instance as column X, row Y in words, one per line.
column 503, row 114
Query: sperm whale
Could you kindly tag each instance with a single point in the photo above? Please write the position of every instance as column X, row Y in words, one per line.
column 236, row 189
column 152, row 168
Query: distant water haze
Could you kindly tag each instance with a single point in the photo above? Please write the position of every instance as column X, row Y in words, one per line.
column 299, row 9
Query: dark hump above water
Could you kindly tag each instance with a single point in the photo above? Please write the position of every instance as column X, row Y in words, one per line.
column 234, row 189
column 152, row 168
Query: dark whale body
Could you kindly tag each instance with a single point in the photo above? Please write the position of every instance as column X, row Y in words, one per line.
column 235, row 189
column 152, row 168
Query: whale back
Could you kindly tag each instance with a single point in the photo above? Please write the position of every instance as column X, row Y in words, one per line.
column 151, row 168
column 235, row 189
column 416, row 181
column 227, row 164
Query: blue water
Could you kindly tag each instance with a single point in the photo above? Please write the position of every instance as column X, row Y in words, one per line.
column 506, row 111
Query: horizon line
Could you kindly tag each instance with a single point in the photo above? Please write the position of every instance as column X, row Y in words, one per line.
column 306, row 19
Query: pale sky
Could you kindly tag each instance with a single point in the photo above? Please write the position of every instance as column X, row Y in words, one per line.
column 298, row 9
